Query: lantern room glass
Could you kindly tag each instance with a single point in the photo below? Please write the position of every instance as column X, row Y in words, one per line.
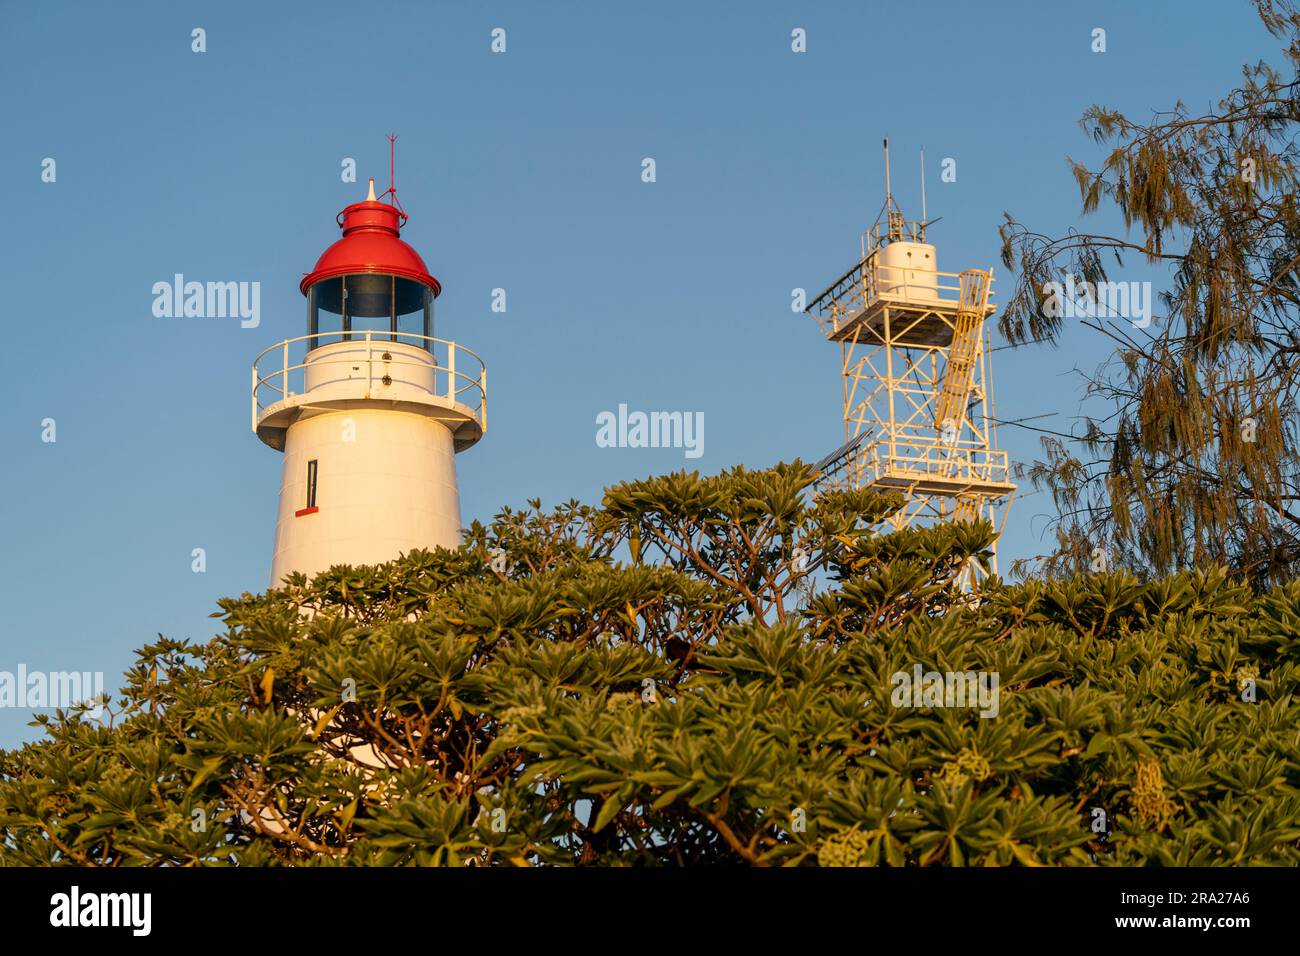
column 338, row 308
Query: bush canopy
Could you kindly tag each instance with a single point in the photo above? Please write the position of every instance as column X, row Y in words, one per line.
column 721, row 669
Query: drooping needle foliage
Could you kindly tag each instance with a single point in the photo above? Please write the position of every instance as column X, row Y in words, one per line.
column 1190, row 452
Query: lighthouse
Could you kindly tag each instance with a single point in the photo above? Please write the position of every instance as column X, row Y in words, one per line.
column 368, row 407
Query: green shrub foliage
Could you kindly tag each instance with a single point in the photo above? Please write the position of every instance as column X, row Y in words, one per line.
column 700, row 670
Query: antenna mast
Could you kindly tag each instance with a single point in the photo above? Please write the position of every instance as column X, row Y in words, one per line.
column 391, row 192
column 889, row 193
column 893, row 214
column 392, row 165
column 922, row 194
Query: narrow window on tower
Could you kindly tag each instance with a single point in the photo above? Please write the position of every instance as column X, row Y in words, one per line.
column 311, row 491
column 311, row 483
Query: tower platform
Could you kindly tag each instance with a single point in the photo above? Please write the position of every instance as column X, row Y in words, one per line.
column 921, row 306
column 918, row 464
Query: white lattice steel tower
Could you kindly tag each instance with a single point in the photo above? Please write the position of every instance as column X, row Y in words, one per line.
column 368, row 408
column 916, row 380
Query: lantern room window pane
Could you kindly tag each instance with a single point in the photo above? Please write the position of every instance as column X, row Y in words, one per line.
column 325, row 312
column 370, row 302
column 412, row 307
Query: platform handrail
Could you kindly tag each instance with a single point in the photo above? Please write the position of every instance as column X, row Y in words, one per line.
column 862, row 284
column 918, row 458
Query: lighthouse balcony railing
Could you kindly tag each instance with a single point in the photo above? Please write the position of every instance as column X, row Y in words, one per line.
column 870, row 282
column 375, row 364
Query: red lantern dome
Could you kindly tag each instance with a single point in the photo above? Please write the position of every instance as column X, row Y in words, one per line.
column 371, row 243
column 370, row 281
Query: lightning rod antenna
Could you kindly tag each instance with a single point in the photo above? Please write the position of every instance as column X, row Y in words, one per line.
column 889, row 193
column 923, row 194
column 392, row 166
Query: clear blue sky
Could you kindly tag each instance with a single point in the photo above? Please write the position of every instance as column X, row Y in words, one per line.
column 521, row 171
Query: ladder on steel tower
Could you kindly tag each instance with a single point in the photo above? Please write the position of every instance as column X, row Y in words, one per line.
column 958, row 376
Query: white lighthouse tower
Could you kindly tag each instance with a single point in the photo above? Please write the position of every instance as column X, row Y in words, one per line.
column 368, row 407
